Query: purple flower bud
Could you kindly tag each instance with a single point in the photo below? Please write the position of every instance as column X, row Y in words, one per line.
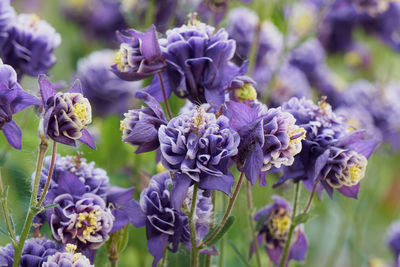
column 139, row 55
column 276, row 221
column 13, row 99
column 198, row 147
column 68, row 258
column 66, row 114
column 81, row 220
column 30, row 45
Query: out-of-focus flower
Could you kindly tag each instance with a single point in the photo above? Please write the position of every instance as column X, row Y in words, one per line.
column 30, row 45
column 358, row 57
column 274, row 231
column 98, row 18
column 34, row 253
column 139, row 55
column 13, row 99
column 198, row 64
column 269, row 138
column 106, row 93
column 7, row 15
column 140, row 126
column 82, row 220
column 166, row 224
column 68, row 258
column 393, row 241
column 66, row 114
column 214, row 10
column 302, row 18
column 198, row 147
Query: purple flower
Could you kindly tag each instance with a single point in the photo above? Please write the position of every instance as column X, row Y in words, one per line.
column 82, row 220
column 7, row 15
column 276, row 221
column 68, row 258
column 269, row 138
column 30, row 45
column 393, row 241
column 198, row 64
column 13, row 99
column 34, row 253
column 139, row 55
column 165, row 223
column 66, row 114
column 198, row 147
column 140, row 126
column 106, row 93
column 214, row 9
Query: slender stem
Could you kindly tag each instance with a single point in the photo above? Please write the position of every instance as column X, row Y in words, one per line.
column 195, row 249
column 4, row 206
column 306, row 210
column 114, row 263
column 164, row 258
column 49, row 175
column 222, row 241
column 164, row 95
column 208, row 257
column 251, row 223
column 291, row 229
column 254, row 49
column 44, row 144
column 227, row 212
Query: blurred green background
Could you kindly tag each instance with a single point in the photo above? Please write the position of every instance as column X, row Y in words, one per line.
column 342, row 232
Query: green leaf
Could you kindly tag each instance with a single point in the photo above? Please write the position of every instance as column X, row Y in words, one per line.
column 4, row 193
column 123, row 239
column 301, row 218
column 223, row 231
column 238, row 254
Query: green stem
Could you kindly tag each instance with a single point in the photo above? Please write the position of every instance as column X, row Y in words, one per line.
column 164, row 258
column 164, row 95
column 227, row 212
column 49, row 175
column 4, row 206
column 195, row 249
column 222, row 241
column 291, row 229
column 208, row 257
column 251, row 223
column 44, row 144
column 306, row 210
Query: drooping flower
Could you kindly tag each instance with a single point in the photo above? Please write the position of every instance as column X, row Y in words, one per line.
column 106, row 93
column 198, row 147
column 276, row 221
column 34, row 253
column 13, row 99
column 166, row 224
column 269, row 138
column 139, row 55
column 68, row 258
column 140, row 126
column 65, row 114
column 199, row 64
column 30, row 45
column 333, row 157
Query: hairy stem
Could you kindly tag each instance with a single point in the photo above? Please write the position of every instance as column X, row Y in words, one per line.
column 164, row 95
column 44, row 144
column 291, row 229
column 251, row 223
column 49, row 175
column 195, row 249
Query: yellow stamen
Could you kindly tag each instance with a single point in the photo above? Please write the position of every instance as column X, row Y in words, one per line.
column 198, row 119
column 355, row 172
column 118, row 60
column 122, row 125
column 296, row 131
column 91, row 219
column 70, row 248
column 246, row 92
column 193, row 21
column 281, row 224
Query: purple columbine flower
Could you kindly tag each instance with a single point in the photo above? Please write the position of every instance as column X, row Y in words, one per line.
column 276, row 221
column 7, row 16
column 333, row 157
column 13, row 99
column 30, row 45
column 65, row 114
column 198, row 147
column 199, row 64
column 166, row 224
column 68, row 258
column 34, row 253
column 106, row 93
column 139, row 55
column 269, row 138
column 140, row 126
column 393, row 241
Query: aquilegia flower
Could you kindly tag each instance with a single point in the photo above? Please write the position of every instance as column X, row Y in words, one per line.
column 13, row 99
column 34, row 253
column 66, row 115
column 269, row 138
column 274, row 231
column 198, row 146
column 30, row 45
column 68, row 258
column 165, row 223
column 198, row 64
column 140, row 126
column 139, row 55
column 106, row 93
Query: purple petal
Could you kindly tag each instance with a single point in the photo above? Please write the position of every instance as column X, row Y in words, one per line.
column 222, row 183
column 156, row 246
column 13, row 134
column 350, row 191
column 298, row 249
column 240, row 114
column 46, row 89
column 150, row 46
column 87, row 139
column 24, row 100
column 76, row 87
column 152, row 103
column 181, row 183
column 254, row 164
column 319, row 164
column 70, row 184
column 135, row 213
column 350, row 138
column 119, row 195
column 365, row 147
